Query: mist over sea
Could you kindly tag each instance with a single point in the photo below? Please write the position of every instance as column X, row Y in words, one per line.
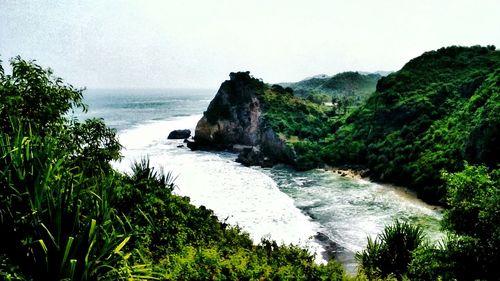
column 326, row 213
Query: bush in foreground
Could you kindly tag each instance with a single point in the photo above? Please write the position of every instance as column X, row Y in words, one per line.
column 391, row 252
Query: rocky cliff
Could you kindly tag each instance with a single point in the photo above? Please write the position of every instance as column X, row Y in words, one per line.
column 235, row 121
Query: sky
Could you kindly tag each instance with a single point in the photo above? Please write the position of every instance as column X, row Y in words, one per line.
column 196, row 44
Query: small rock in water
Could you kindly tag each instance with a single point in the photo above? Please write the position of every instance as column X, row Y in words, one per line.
column 180, row 145
column 179, row 134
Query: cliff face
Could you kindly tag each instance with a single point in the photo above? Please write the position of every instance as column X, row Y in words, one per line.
column 234, row 115
column 234, row 120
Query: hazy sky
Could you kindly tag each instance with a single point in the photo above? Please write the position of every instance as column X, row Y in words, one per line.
column 196, row 44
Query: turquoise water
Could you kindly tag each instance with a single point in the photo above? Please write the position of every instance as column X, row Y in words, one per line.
column 349, row 210
column 323, row 212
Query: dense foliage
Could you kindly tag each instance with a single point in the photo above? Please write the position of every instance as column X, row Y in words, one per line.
column 391, row 252
column 437, row 111
column 473, row 218
column 307, row 121
column 301, row 122
column 65, row 214
column 54, row 218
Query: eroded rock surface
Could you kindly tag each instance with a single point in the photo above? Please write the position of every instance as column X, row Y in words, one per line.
column 234, row 119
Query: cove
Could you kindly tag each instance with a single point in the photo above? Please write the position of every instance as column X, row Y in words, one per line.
column 328, row 214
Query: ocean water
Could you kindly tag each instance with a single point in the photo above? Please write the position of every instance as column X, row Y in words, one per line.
column 126, row 108
column 318, row 210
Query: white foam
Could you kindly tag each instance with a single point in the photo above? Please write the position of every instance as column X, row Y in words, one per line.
column 142, row 136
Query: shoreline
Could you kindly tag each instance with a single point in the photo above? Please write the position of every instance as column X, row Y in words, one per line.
column 361, row 174
column 347, row 172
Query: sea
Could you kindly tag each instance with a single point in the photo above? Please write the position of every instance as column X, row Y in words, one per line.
column 328, row 214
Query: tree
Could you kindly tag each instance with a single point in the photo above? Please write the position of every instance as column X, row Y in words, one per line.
column 470, row 252
column 56, row 218
column 474, row 212
column 32, row 94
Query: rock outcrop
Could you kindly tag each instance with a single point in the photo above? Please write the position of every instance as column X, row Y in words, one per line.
column 179, row 134
column 234, row 119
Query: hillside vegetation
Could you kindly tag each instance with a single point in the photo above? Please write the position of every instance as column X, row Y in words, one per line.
column 293, row 117
column 346, row 87
column 439, row 110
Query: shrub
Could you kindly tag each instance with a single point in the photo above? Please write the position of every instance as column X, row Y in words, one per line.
column 56, row 219
column 391, row 252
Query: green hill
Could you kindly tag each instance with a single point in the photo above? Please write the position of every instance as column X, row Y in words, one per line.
column 439, row 110
column 352, row 85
